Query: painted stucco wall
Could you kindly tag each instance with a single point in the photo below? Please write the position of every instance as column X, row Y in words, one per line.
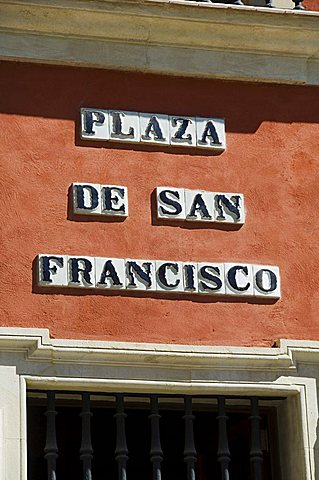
column 272, row 157
column 312, row 5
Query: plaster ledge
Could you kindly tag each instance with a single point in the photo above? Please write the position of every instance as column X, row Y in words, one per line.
column 167, row 37
column 38, row 346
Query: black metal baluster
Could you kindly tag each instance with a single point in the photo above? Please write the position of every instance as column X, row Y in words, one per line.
column 256, row 454
column 223, row 453
column 51, row 448
column 121, row 451
column 156, row 453
column 268, row 3
column 298, row 5
column 86, row 450
column 190, row 455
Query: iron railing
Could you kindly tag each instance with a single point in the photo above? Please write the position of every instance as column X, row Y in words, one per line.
column 187, row 408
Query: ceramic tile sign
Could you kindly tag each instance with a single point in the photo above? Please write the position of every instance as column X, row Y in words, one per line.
column 200, row 206
column 165, row 276
column 95, row 199
column 153, row 128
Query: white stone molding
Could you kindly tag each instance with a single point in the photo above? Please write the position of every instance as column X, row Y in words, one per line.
column 166, row 37
column 37, row 346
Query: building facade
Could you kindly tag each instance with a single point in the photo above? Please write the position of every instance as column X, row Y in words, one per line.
column 169, row 257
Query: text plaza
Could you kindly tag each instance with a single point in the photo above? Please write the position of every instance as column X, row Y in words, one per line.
column 153, row 128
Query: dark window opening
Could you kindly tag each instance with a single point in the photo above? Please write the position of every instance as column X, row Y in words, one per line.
column 247, row 450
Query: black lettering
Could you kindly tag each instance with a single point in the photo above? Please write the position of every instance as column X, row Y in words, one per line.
column 111, row 202
column 162, row 271
column 109, row 272
column 171, row 203
column 154, row 128
column 231, row 275
column 199, row 205
column 231, row 205
column 77, row 269
column 209, row 273
column 133, row 269
column 211, row 133
column 48, row 269
column 80, row 197
column 189, row 277
column 271, row 278
column 179, row 135
column 117, row 127
column 91, row 118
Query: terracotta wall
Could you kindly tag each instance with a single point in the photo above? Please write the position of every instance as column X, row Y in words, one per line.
column 311, row 5
column 272, row 157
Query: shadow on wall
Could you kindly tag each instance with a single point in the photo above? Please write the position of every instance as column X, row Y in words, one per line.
column 59, row 92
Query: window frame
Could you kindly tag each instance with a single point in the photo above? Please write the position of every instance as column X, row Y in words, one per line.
column 30, row 359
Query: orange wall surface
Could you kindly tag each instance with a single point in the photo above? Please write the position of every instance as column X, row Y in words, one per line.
column 311, row 5
column 272, row 157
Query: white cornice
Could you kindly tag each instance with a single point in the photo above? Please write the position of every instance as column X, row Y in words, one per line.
column 176, row 38
column 38, row 346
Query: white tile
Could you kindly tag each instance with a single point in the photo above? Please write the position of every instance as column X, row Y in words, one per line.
column 140, row 274
column 52, row 270
column 211, row 278
column 86, row 198
column 199, row 205
column 94, row 124
column 229, row 208
column 110, row 273
column 154, row 128
column 182, row 131
column 210, row 133
column 114, row 200
column 239, row 279
column 169, row 276
column 266, row 281
column 124, row 126
column 81, row 272
column 190, row 277
column 170, row 203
